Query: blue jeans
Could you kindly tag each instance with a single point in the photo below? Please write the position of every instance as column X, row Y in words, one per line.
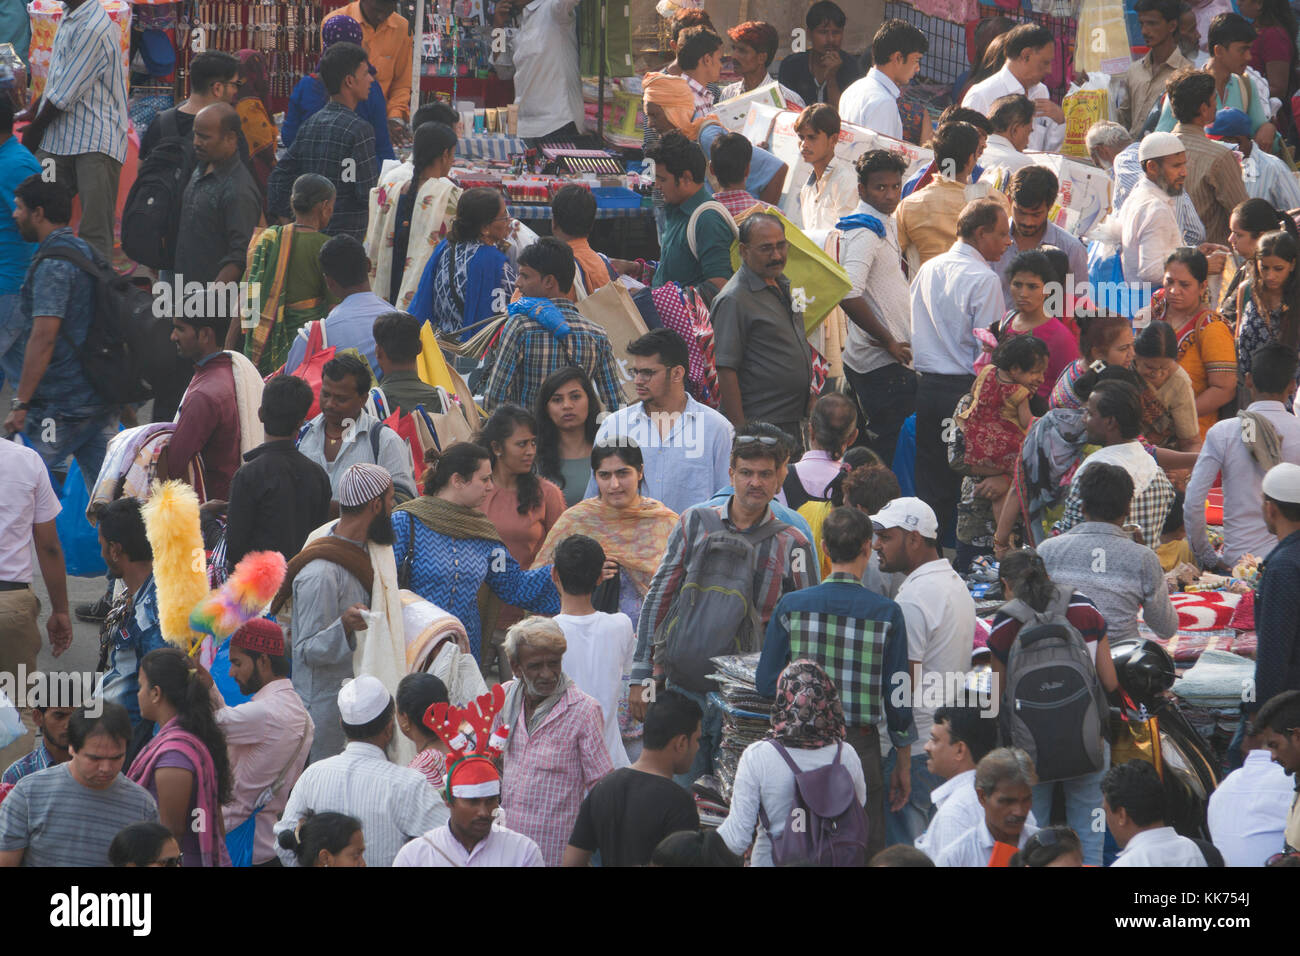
column 710, row 738
column 905, row 825
column 10, row 329
column 1082, row 811
column 83, row 437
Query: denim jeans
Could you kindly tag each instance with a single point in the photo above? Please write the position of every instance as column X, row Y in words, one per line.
column 1082, row 811
column 83, row 437
column 887, row 396
column 905, row 825
column 10, row 329
column 710, row 738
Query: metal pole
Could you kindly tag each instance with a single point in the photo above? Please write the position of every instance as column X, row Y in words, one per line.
column 417, row 61
column 600, row 90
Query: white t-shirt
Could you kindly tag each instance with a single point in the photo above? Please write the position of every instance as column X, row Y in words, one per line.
column 1248, row 811
column 599, row 661
column 26, row 498
column 940, row 615
column 762, row 776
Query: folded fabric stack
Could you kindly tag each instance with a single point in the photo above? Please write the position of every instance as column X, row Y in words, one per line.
column 709, row 802
column 746, row 716
column 1210, row 695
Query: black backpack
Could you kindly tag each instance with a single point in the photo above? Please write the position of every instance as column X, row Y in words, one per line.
column 126, row 345
column 151, row 216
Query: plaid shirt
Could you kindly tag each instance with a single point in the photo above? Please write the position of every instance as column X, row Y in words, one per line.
column 1149, row 509
column 778, row 573
column 737, row 201
column 333, row 141
column 38, row 759
column 858, row 637
column 527, row 352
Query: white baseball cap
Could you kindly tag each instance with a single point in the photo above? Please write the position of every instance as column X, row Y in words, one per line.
column 910, row 514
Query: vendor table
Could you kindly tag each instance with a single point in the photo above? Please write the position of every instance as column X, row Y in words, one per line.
column 530, row 213
column 490, row 146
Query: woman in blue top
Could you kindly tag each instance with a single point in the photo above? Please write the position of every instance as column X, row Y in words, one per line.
column 456, row 548
column 309, row 93
column 468, row 278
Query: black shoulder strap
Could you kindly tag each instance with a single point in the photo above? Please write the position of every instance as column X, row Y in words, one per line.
column 168, row 125
column 87, row 266
column 374, row 441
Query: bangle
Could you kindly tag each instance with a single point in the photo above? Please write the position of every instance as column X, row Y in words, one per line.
column 1004, row 542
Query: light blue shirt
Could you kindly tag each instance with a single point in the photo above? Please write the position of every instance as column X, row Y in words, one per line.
column 1054, row 236
column 953, row 295
column 350, row 325
column 16, row 164
column 682, row 469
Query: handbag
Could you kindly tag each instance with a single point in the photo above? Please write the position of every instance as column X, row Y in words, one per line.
column 605, row 597
column 239, row 841
column 313, row 364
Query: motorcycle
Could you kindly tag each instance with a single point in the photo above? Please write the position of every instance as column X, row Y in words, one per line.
column 1187, row 765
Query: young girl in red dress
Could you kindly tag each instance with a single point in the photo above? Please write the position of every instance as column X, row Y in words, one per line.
column 995, row 422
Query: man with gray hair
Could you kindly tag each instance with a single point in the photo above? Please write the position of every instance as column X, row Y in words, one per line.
column 764, row 363
column 555, row 752
column 1115, row 152
column 953, row 294
column 1003, row 782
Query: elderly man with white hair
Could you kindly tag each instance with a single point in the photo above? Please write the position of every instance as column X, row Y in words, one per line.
column 555, row 752
column 1112, row 149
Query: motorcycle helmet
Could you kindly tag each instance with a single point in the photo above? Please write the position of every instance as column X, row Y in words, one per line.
column 1144, row 668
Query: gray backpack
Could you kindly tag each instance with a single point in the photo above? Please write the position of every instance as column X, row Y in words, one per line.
column 1054, row 704
column 713, row 613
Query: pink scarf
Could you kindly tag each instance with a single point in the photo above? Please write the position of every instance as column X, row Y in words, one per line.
column 171, row 737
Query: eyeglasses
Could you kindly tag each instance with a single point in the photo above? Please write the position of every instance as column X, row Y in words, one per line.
column 767, row 440
column 643, row 374
column 169, row 861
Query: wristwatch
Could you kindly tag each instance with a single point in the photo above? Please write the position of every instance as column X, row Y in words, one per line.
column 17, row 406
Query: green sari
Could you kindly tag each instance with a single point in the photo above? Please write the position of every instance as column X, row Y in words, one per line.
column 283, row 261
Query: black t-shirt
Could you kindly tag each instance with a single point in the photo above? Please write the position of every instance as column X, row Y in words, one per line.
column 628, row 813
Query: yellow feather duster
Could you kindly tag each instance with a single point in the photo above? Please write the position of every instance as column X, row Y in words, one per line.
column 171, row 521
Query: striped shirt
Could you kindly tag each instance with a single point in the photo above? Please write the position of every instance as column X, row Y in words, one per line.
column 1081, row 612
column 88, row 83
column 60, row 822
column 394, row 804
column 38, row 759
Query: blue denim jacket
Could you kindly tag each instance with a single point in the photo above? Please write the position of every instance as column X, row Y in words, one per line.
column 141, row 634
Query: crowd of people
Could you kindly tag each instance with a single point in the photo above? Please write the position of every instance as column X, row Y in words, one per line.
column 602, row 528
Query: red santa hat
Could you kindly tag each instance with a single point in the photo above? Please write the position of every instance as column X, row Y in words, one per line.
column 474, row 777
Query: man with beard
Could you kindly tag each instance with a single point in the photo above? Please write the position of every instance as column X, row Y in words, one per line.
column 51, row 749
column 344, row 433
column 1003, row 782
column 332, row 583
column 555, row 751
column 1277, row 726
column 1148, row 227
column 1033, row 192
column 764, row 363
column 268, row 737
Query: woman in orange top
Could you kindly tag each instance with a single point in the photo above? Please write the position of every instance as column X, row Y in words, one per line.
column 1206, row 350
column 253, row 106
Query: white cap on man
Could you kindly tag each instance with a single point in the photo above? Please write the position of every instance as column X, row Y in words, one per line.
column 1282, row 483
column 910, row 514
column 1158, row 145
column 362, row 699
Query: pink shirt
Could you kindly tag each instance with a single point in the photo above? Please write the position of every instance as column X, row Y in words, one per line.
column 547, row 773
column 522, row 534
column 262, row 737
column 817, row 469
column 1062, row 349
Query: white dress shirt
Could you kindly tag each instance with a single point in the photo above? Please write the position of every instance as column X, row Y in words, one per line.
column 1126, row 173
column 953, row 295
column 872, row 103
column 1267, row 177
column 874, row 266
column 599, row 660
column 957, row 810
column 940, row 616
column 999, row 153
column 823, row 202
column 394, row 804
column 543, row 55
column 501, row 847
column 1244, row 531
column 1248, row 811
column 1048, row 135
column 1160, row 847
column 975, row 846
column 763, row 777
column 1148, row 233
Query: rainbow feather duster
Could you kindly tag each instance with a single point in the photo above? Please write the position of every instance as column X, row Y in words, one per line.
column 247, row 591
column 180, row 569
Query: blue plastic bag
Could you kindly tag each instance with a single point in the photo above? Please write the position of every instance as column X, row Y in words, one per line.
column 239, row 841
column 226, row 685
column 79, row 539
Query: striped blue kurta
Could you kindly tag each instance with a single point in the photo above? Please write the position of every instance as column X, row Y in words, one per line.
column 87, row 82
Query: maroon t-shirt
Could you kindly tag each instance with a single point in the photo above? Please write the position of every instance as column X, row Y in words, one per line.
column 209, row 426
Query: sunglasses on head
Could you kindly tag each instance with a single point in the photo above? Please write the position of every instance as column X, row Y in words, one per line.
column 761, row 439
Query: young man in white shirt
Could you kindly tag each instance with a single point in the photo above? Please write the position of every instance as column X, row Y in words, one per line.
column 953, row 295
column 1029, row 52
column 1248, row 810
column 598, row 657
column 959, row 739
column 832, row 189
column 877, row 355
column 940, row 616
column 1147, row 224
column 542, row 58
column 1133, row 799
column 872, row 102
column 1236, row 447
column 1012, row 118
column 1276, row 727
column 1004, row 783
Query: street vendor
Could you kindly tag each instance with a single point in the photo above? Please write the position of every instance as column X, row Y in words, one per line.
column 541, row 54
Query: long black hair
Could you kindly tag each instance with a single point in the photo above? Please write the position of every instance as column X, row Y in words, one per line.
column 1281, row 245
column 172, row 672
column 548, row 436
column 497, row 431
column 319, row 831
column 1025, row 572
